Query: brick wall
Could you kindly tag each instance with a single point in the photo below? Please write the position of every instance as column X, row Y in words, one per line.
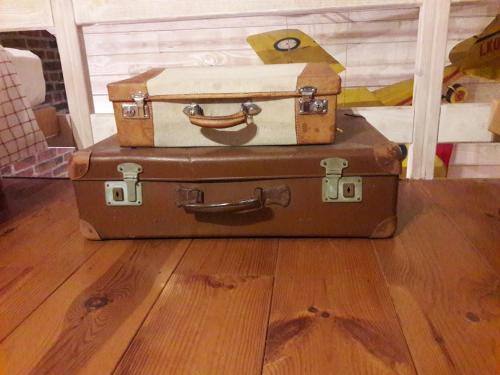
column 43, row 44
column 52, row 162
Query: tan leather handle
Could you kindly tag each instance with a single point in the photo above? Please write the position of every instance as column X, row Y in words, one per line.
column 192, row 200
column 196, row 116
column 218, row 122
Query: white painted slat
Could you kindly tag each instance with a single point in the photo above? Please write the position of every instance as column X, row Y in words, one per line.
column 483, row 8
column 396, row 123
column 431, row 44
column 91, row 11
column 476, row 154
column 25, row 15
column 455, row 125
column 75, row 72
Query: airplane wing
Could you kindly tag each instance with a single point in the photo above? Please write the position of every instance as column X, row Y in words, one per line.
column 479, row 55
column 290, row 46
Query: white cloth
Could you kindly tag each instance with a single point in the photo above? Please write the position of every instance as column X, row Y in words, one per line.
column 20, row 136
column 30, row 72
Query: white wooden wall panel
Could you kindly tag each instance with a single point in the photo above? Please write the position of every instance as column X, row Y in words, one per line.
column 477, row 9
column 25, row 15
column 225, row 38
column 378, row 49
column 95, row 11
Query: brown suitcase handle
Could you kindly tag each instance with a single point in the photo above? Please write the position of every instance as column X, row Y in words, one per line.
column 196, row 117
column 192, row 200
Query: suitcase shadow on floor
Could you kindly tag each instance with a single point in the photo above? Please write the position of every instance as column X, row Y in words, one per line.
column 237, row 219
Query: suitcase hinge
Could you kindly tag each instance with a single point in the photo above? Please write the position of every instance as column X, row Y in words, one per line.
column 127, row 192
column 137, row 110
column 338, row 188
column 308, row 105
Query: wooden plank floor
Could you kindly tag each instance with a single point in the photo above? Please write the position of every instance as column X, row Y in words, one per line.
column 424, row 302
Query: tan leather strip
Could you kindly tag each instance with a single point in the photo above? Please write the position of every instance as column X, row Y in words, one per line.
column 123, row 90
column 232, row 96
column 79, row 164
column 218, row 122
column 134, row 132
column 317, row 128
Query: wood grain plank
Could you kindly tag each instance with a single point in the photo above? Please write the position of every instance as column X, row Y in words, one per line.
column 244, row 257
column 39, row 251
column 212, row 316
column 325, row 34
column 27, row 280
column 474, row 209
column 86, row 325
column 90, row 11
column 332, row 313
column 446, row 295
column 21, row 198
column 25, row 15
column 475, row 9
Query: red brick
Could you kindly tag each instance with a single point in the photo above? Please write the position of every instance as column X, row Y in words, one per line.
column 7, row 170
column 47, row 154
column 61, row 170
column 37, row 43
column 47, row 174
column 45, row 166
column 26, row 173
column 25, row 163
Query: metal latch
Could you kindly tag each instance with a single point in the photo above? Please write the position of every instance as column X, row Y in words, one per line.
column 308, row 104
column 137, row 110
column 127, row 192
column 337, row 188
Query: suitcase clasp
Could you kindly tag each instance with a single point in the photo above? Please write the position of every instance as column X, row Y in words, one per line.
column 139, row 109
column 308, row 105
column 337, row 188
column 127, row 192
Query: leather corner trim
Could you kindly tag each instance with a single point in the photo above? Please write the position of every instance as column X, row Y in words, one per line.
column 385, row 228
column 88, row 231
column 388, row 157
column 79, row 164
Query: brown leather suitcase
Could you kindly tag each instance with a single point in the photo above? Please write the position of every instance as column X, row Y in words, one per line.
column 344, row 189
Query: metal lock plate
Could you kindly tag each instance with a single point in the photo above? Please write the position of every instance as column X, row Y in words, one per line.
column 137, row 110
column 127, row 192
column 336, row 188
column 308, row 105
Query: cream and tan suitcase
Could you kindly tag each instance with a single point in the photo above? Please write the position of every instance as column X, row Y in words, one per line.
column 282, row 104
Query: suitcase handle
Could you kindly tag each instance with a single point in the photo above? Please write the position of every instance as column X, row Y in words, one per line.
column 195, row 114
column 192, row 200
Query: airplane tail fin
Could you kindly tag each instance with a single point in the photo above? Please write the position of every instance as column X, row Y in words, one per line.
column 290, row 46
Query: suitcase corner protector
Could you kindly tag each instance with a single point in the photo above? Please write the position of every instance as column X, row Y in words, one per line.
column 385, row 228
column 79, row 164
column 88, row 231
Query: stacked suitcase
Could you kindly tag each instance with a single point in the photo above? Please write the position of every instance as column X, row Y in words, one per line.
column 243, row 151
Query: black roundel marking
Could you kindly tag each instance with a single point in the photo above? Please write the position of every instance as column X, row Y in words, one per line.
column 282, row 45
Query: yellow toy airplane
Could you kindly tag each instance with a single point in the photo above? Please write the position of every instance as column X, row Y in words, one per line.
column 477, row 56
